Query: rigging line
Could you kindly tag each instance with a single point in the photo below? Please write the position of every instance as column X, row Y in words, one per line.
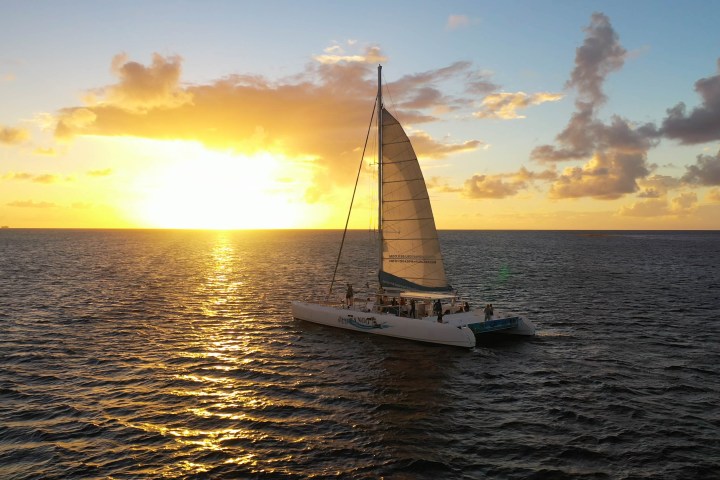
column 362, row 158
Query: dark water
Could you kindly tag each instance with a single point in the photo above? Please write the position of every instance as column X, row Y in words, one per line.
column 131, row 354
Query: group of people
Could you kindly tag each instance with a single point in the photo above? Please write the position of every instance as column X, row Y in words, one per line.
column 401, row 307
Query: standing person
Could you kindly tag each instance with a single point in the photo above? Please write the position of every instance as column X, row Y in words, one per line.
column 437, row 307
column 466, row 307
column 440, row 315
column 349, row 295
column 412, row 308
column 488, row 311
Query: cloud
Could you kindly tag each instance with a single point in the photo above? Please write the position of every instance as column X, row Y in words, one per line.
column 703, row 123
column 646, row 208
column 506, row 105
column 100, row 173
column 615, row 153
column 456, row 22
column 684, row 204
column 504, row 184
column 31, row 204
column 49, row 151
column 45, row 178
column 656, row 186
column 491, row 186
column 321, row 114
column 336, row 54
column 13, row 136
column 420, row 90
column 24, row 176
column 142, row 88
column 74, row 120
column 599, row 55
column 713, row 195
column 426, row 146
column 706, row 171
column 606, row 176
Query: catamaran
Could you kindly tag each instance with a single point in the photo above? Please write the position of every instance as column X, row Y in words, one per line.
column 424, row 306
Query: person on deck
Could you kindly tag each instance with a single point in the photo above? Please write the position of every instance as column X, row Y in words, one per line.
column 488, row 311
column 466, row 307
column 412, row 308
column 349, row 295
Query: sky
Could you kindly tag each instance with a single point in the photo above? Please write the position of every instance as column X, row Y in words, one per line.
column 239, row 114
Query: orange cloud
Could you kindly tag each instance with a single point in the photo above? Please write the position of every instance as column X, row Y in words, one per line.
column 142, row 88
column 504, row 184
column 456, row 22
column 426, row 146
column 506, row 105
column 714, row 195
column 13, row 136
column 100, row 173
column 684, row 204
column 31, row 204
column 42, row 178
column 336, row 54
column 50, row 152
column 606, row 176
column 321, row 114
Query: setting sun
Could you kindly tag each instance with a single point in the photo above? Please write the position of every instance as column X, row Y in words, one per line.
column 222, row 190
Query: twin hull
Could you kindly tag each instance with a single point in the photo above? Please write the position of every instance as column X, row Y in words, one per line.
column 422, row 330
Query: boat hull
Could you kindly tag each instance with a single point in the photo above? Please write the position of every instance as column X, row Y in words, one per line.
column 422, row 330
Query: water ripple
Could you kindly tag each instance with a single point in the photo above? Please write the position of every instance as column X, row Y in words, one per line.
column 131, row 354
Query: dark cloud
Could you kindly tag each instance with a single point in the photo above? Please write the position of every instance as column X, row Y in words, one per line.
column 615, row 153
column 706, row 171
column 599, row 55
column 703, row 122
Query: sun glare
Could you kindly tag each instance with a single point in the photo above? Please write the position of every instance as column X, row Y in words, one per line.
column 222, row 190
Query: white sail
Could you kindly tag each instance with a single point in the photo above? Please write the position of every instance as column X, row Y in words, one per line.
column 411, row 257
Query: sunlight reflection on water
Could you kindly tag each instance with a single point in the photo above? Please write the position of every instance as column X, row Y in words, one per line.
column 173, row 354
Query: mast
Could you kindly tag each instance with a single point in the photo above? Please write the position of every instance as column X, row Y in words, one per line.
column 380, row 171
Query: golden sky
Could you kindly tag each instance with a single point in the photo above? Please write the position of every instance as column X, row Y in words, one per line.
column 140, row 142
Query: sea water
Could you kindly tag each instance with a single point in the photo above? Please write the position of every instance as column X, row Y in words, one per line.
column 132, row 354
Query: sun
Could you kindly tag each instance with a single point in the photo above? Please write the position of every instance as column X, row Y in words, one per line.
column 223, row 190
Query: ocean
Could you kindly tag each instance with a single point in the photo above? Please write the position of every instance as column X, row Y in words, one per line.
column 173, row 354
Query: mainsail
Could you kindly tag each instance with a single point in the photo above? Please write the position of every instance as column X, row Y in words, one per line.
column 411, row 257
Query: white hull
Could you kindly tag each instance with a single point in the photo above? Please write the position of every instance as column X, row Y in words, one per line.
column 453, row 331
column 421, row 330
